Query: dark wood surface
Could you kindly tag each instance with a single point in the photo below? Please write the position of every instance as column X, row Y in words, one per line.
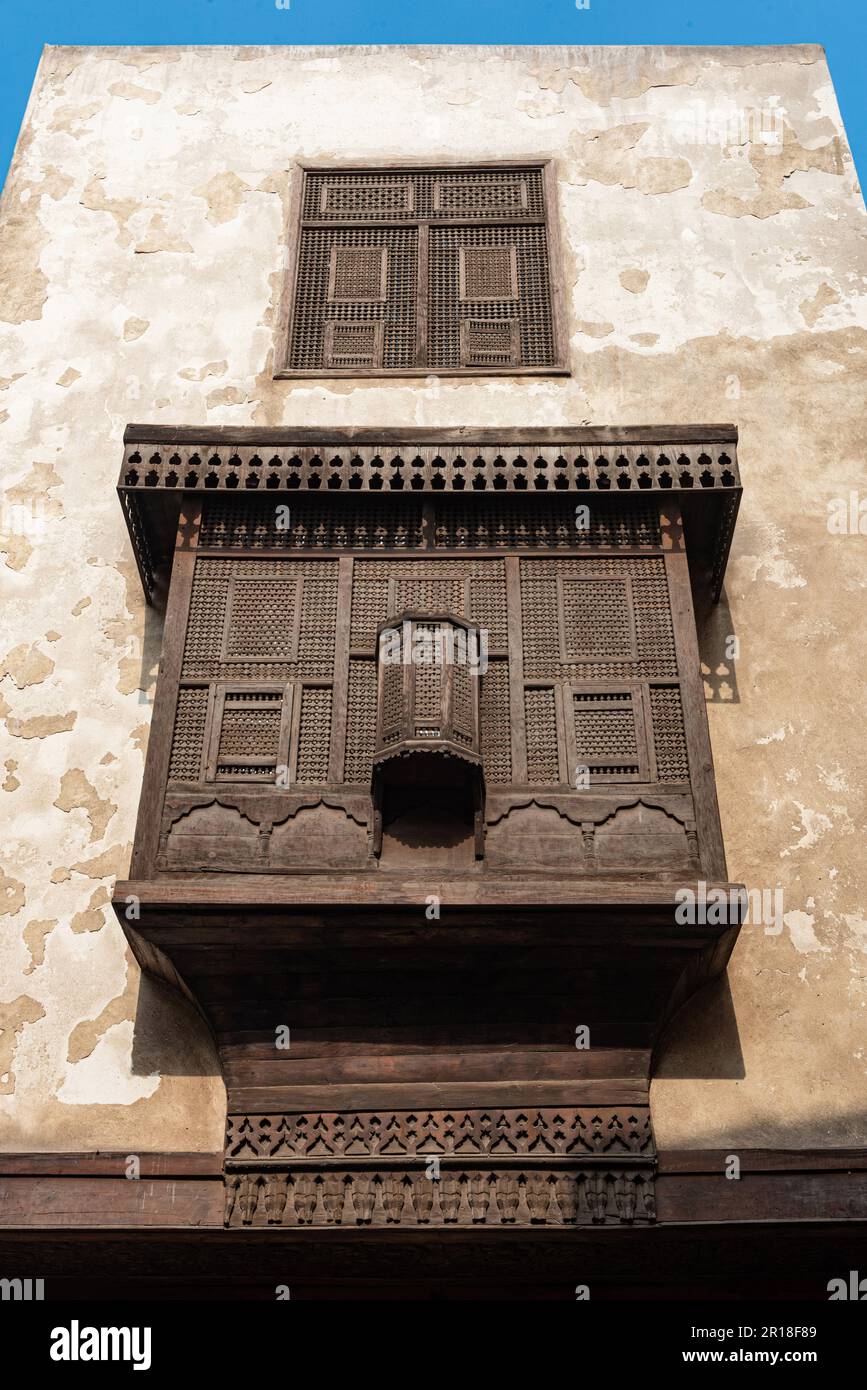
column 395, row 437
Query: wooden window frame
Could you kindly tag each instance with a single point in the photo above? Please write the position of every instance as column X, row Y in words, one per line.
column 239, row 689
column 628, row 695
column 549, row 219
column 328, row 344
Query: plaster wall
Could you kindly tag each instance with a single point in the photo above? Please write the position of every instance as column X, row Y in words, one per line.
column 715, row 249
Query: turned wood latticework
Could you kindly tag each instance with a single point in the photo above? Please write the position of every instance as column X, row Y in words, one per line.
column 428, row 766
column 407, row 271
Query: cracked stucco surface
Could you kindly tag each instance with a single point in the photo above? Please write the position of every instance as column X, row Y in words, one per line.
column 712, row 274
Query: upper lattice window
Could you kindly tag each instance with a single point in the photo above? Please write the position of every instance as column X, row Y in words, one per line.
column 415, row 271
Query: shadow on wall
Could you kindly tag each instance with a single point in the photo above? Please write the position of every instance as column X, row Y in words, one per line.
column 151, row 651
column 171, row 1038
column 701, row 1043
column 718, row 647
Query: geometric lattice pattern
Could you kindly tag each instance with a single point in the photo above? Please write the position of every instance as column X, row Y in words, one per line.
column 252, row 620
column 189, row 734
column 496, row 724
column 473, row 589
column 429, row 676
column 212, row 629
column 262, row 617
column 358, row 1135
column 358, row 272
column 393, row 248
column 602, row 733
column 353, row 344
column 606, row 737
column 248, row 729
column 530, row 306
column 486, row 300
column 309, row 523
column 543, row 762
column 669, row 737
column 314, row 737
column 653, row 652
column 249, row 740
column 489, row 344
column 421, row 194
column 596, row 619
column 595, row 633
column 360, row 722
column 488, row 272
column 500, row 523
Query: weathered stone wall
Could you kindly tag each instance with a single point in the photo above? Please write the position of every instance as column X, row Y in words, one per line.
column 715, row 258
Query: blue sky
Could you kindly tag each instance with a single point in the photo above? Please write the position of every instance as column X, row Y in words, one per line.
column 839, row 25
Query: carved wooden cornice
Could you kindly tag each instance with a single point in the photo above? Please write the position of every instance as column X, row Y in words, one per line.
column 697, row 463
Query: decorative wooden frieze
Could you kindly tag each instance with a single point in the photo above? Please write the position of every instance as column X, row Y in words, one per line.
column 451, row 1196
column 496, row 1134
column 251, row 472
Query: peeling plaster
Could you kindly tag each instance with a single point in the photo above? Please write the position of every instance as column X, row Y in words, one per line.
column 128, row 91
column 26, row 665
column 35, row 934
column 634, row 280
column 13, row 1018
column 134, row 328
column 608, row 157
column 41, row 725
column 189, row 168
column 224, row 194
column 76, row 792
column 813, row 309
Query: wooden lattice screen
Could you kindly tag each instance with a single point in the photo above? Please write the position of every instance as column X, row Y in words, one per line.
column 414, row 270
column 430, row 874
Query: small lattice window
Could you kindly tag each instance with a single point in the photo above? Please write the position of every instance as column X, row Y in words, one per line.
column 249, row 735
column 413, row 271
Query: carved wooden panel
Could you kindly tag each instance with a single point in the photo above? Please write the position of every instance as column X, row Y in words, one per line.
column 360, row 721
column 496, row 723
column 544, row 763
column 188, row 740
column 249, row 733
column 428, row 688
column 488, row 272
column 305, row 522
column 469, row 1167
column 358, row 274
column 456, row 1197
column 255, row 693
column 669, row 740
column 237, row 831
column 354, row 344
column 404, row 194
column 263, row 618
column 609, row 732
column 497, row 1133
